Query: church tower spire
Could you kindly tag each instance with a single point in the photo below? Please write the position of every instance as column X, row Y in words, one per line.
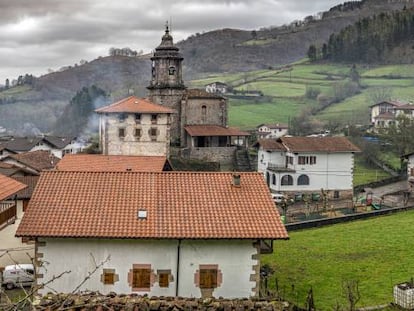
column 166, row 85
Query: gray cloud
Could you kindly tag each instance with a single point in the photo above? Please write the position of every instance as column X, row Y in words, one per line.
column 42, row 34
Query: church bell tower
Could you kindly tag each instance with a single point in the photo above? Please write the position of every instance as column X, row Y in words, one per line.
column 167, row 86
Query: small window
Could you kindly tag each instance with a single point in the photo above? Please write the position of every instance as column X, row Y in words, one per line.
column 336, row 194
column 274, row 179
column 154, row 118
column 122, row 117
column 208, row 278
column 138, row 118
column 108, row 277
column 153, row 132
column 137, row 133
column 121, row 133
column 171, row 70
column 286, row 180
column 164, row 278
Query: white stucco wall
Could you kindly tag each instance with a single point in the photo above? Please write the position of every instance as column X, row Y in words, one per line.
column 234, row 260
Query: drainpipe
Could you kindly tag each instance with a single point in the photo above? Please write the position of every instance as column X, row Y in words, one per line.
column 178, row 267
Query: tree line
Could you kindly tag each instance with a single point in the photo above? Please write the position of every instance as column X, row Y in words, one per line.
column 369, row 40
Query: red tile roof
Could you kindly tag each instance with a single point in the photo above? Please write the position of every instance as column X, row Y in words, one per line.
column 134, row 104
column 38, row 160
column 179, row 205
column 318, row 144
column 213, row 130
column 270, row 144
column 112, row 163
column 9, row 187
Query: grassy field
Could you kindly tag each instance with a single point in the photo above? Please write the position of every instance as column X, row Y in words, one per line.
column 289, row 85
column 364, row 174
column 377, row 253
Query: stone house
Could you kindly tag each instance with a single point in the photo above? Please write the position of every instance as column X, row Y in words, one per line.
column 308, row 164
column 155, row 233
column 135, row 126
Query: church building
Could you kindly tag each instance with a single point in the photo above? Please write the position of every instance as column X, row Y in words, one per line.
column 195, row 121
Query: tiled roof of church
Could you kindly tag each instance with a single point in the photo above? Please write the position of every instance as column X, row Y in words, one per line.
column 134, row 104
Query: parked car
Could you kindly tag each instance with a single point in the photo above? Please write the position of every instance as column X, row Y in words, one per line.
column 17, row 276
column 278, row 197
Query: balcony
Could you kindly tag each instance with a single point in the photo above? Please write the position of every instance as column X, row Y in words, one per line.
column 279, row 168
column 8, row 213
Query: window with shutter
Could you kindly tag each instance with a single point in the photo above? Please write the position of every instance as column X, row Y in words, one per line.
column 141, row 278
column 164, row 279
column 208, row 278
column 109, row 278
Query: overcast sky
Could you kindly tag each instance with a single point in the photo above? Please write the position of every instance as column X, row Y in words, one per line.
column 36, row 35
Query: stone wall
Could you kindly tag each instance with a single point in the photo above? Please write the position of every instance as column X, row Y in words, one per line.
column 95, row 301
column 224, row 155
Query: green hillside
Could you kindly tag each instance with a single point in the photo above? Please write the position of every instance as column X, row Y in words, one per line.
column 284, row 91
column 376, row 253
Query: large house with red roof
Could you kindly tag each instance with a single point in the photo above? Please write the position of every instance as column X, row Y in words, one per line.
column 308, row 164
column 189, row 234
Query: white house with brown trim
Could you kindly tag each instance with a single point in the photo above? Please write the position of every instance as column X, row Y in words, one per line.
column 271, row 130
column 308, row 164
column 190, row 234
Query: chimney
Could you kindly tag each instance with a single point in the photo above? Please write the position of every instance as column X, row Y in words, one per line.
column 236, row 180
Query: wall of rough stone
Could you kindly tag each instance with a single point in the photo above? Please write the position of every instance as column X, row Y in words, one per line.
column 224, row 155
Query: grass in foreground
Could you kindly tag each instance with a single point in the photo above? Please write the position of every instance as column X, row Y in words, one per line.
column 377, row 253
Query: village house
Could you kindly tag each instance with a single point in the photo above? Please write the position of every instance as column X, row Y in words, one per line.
column 10, row 215
column 32, row 162
column 383, row 114
column 135, row 126
column 308, row 164
column 57, row 145
column 217, row 87
column 271, row 130
column 113, row 163
column 155, row 233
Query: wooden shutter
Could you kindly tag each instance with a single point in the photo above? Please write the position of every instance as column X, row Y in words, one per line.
column 163, row 279
column 109, row 278
column 141, row 278
column 208, row 278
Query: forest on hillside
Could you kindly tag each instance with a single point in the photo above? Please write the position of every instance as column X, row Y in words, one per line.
column 374, row 39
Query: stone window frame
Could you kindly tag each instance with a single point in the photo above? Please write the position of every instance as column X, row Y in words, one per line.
column 137, row 118
column 209, row 267
column 171, row 70
column 109, row 277
column 131, row 275
column 153, row 133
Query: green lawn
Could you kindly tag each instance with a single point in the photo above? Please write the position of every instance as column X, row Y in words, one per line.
column 377, row 253
column 364, row 174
